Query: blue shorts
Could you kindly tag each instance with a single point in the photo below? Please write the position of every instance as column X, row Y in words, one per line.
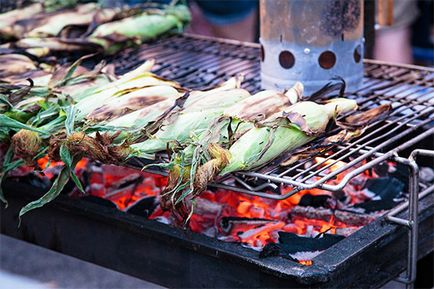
column 217, row 12
column 223, row 12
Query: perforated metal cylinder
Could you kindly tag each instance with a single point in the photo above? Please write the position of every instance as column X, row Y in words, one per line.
column 311, row 41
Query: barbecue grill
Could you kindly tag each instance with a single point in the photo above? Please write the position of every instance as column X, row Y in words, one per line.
column 156, row 252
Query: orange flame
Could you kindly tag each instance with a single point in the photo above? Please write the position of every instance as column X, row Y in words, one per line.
column 125, row 186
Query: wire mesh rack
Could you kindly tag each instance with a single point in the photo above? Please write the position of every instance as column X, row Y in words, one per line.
column 201, row 62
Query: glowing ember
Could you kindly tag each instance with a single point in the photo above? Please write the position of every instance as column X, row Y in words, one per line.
column 305, row 262
column 223, row 214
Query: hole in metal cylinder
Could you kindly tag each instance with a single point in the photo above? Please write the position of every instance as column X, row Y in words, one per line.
column 262, row 53
column 286, row 59
column 357, row 53
column 327, row 59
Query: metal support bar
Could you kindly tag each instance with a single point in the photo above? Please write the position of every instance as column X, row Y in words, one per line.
column 412, row 222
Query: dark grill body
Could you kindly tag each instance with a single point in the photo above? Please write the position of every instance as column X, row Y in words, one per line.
column 177, row 258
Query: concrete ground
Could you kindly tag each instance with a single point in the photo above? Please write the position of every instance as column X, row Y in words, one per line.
column 27, row 266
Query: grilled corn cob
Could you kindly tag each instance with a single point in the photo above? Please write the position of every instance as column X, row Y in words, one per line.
column 298, row 125
column 114, row 35
column 190, row 122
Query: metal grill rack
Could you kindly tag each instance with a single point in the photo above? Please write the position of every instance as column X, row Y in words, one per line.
column 201, row 62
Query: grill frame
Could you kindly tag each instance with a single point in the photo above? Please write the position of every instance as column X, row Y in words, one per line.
column 332, row 268
column 66, row 224
column 408, row 88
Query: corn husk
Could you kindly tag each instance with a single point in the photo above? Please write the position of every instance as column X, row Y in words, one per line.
column 193, row 119
column 53, row 24
column 133, row 101
column 13, row 64
column 301, row 123
column 126, row 86
column 136, row 29
column 8, row 19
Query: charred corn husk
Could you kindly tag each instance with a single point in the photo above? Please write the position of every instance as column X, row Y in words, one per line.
column 296, row 126
column 238, row 119
column 15, row 64
column 133, row 101
column 53, row 24
column 191, row 121
column 8, row 19
column 128, row 86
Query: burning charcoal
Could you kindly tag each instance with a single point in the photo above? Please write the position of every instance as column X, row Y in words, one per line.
column 345, row 231
column 315, row 201
column 127, row 181
column 346, row 217
column 385, row 188
column 290, row 243
column 143, row 207
column 99, row 201
column 227, row 223
column 257, row 238
column 385, row 191
column 426, row 175
column 203, row 206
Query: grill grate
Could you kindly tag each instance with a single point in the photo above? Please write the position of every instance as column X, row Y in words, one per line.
column 201, row 62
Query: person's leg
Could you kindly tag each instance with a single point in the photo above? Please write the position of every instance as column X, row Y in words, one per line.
column 243, row 30
column 235, row 19
column 393, row 45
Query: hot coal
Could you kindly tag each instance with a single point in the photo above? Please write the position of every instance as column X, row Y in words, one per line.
column 397, row 170
column 347, row 217
column 385, row 191
column 143, row 207
column 227, row 223
column 127, row 181
column 426, row 175
column 315, row 201
column 290, row 243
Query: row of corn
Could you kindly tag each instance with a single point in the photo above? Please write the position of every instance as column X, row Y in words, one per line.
column 206, row 134
column 44, row 28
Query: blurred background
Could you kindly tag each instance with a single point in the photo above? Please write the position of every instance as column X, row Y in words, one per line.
column 402, row 32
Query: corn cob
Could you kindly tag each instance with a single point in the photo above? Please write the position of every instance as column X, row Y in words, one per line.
column 114, row 35
column 133, row 101
column 294, row 126
column 127, row 86
column 302, row 122
column 190, row 122
column 240, row 118
column 53, row 24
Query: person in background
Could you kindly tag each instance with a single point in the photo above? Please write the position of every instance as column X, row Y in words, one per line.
column 393, row 43
column 233, row 19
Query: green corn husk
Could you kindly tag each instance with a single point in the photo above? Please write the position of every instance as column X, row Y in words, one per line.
column 123, row 87
column 190, row 122
column 302, row 123
column 133, row 30
column 233, row 123
column 284, row 131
